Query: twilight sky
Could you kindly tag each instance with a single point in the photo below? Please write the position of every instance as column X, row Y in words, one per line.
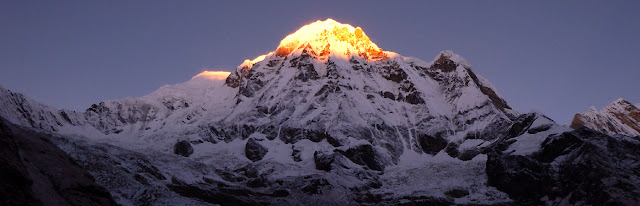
column 549, row 56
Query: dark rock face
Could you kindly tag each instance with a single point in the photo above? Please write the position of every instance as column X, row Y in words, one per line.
column 324, row 161
column 183, row 147
column 36, row 172
column 414, row 98
column 214, row 196
column 521, row 124
column 234, row 80
column 315, row 186
column 444, row 63
column 519, row 176
column 469, row 154
column 254, row 150
column 295, row 154
column 364, row 155
column 145, row 166
column 292, row 135
column 394, row 73
column 452, row 149
column 457, row 193
column 577, row 167
column 432, row 144
column 15, row 187
column 280, row 193
column 253, row 83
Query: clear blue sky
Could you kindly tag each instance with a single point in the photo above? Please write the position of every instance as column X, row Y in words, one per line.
column 557, row 57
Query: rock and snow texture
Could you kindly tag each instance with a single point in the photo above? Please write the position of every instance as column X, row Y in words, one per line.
column 619, row 117
column 328, row 103
column 579, row 167
column 24, row 111
column 333, row 84
column 328, row 118
column 329, row 87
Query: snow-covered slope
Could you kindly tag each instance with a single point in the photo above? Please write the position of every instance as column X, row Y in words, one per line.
column 325, row 82
column 24, row 111
column 327, row 118
column 327, row 103
column 330, row 88
column 619, row 117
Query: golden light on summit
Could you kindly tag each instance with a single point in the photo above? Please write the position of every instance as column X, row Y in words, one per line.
column 215, row 75
column 322, row 38
column 333, row 36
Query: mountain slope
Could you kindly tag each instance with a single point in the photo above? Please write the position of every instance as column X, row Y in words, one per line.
column 579, row 167
column 36, row 172
column 330, row 118
column 327, row 103
column 619, row 117
column 21, row 110
column 330, row 87
column 327, row 81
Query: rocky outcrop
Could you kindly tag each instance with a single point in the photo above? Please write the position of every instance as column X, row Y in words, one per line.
column 254, row 150
column 183, row 147
column 432, row 144
column 581, row 167
column 327, row 161
column 365, row 155
column 36, row 172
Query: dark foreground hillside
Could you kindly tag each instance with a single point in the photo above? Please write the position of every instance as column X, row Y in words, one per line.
column 36, row 172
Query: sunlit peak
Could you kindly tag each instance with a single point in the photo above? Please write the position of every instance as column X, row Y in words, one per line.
column 214, row 75
column 330, row 37
column 249, row 63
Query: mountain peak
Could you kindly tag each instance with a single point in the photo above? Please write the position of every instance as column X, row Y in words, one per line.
column 214, row 75
column 619, row 117
column 330, row 37
column 449, row 55
column 620, row 101
column 620, row 105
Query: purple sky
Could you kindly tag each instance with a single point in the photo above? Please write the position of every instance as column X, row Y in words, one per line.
column 555, row 57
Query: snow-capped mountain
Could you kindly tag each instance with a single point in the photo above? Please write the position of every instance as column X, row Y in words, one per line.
column 328, row 118
column 327, row 81
column 619, row 117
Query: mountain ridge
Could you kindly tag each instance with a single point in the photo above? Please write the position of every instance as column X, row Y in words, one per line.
column 313, row 124
column 343, row 95
column 619, row 117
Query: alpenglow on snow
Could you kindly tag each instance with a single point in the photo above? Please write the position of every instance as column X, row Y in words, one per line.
column 330, row 118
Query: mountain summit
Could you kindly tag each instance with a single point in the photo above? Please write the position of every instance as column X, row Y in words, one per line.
column 330, row 36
